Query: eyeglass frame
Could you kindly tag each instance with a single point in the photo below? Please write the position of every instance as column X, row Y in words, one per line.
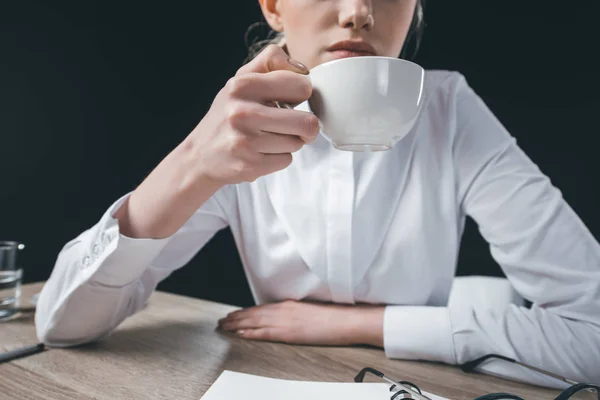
column 402, row 387
column 471, row 365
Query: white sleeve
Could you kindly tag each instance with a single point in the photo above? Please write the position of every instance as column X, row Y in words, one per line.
column 102, row 277
column 546, row 252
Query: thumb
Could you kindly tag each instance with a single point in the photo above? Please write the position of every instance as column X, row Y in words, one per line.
column 273, row 58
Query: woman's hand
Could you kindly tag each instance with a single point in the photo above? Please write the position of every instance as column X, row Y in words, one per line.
column 308, row 323
column 242, row 137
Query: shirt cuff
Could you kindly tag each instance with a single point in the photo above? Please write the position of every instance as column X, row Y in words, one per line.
column 114, row 259
column 418, row 333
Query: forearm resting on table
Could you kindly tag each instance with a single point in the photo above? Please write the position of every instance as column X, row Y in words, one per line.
column 366, row 325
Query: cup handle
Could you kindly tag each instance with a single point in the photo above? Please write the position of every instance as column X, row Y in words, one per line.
column 281, row 104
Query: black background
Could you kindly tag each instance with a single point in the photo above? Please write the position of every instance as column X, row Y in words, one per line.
column 94, row 93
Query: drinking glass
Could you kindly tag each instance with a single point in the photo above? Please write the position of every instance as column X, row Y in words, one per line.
column 11, row 275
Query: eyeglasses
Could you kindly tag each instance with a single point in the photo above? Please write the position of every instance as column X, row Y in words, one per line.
column 471, row 365
column 405, row 389
column 408, row 390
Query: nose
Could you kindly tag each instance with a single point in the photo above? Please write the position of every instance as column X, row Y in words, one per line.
column 356, row 14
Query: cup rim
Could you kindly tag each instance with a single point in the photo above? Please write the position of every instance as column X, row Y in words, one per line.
column 342, row 60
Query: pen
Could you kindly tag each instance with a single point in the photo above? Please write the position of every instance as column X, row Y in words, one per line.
column 21, row 352
column 19, row 309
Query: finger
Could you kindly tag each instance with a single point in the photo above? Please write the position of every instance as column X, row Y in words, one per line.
column 272, row 58
column 266, row 334
column 239, row 314
column 274, row 143
column 245, row 323
column 243, row 313
column 234, row 318
column 287, row 122
column 260, row 118
column 274, row 162
column 249, row 311
column 283, row 86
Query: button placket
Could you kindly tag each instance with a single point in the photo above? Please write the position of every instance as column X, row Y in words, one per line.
column 340, row 202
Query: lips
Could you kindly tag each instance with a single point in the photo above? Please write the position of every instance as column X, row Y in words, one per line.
column 353, row 47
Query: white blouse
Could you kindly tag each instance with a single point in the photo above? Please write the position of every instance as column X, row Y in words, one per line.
column 380, row 227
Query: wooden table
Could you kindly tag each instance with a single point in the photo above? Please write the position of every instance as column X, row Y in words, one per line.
column 171, row 350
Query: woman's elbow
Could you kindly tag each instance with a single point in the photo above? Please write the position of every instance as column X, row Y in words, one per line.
column 64, row 334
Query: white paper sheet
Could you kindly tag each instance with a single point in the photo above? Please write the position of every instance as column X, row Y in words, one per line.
column 238, row 386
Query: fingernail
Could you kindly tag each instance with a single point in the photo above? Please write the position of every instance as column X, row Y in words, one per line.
column 240, row 332
column 297, row 64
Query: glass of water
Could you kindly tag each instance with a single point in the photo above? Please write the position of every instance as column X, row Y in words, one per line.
column 11, row 275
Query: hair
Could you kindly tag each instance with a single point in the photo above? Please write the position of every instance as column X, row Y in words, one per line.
column 414, row 37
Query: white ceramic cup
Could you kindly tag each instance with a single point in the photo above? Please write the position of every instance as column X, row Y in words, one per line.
column 366, row 103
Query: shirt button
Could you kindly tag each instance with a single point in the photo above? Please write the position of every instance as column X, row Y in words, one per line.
column 96, row 250
column 86, row 262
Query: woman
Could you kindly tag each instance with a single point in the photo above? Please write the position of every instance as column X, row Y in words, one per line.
column 346, row 248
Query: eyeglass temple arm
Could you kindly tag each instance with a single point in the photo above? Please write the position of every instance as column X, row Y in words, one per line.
column 361, row 376
column 471, row 365
column 570, row 391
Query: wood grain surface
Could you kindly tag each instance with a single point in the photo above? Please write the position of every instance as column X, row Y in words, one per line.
column 172, row 350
